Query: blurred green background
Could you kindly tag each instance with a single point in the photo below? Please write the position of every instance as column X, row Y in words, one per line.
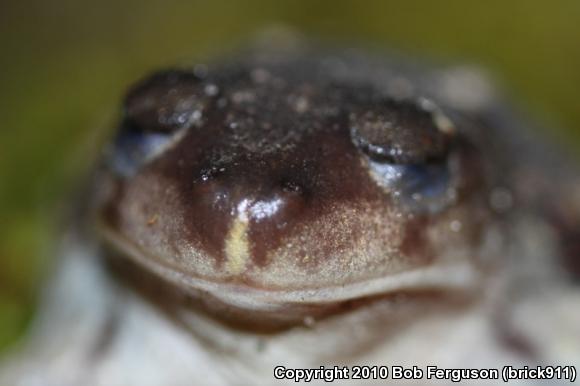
column 65, row 64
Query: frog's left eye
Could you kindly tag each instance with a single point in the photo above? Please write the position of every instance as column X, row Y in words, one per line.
column 408, row 145
column 156, row 112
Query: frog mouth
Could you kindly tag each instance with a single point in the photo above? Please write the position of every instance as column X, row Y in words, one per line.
column 453, row 276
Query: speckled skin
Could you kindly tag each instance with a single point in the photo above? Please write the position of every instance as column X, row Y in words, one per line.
column 308, row 208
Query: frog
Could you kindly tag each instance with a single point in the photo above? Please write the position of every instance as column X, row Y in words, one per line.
column 296, row 207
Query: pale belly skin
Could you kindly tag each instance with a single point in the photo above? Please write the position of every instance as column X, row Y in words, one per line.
column 312, row 209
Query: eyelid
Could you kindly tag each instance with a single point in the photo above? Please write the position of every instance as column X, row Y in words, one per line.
column 167, row 101
column 401, row 131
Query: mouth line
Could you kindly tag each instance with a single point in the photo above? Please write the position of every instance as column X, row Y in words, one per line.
column 442, row 276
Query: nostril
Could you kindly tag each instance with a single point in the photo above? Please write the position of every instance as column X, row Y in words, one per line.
column 210, row 173
column 292, row 187
column 295, row 196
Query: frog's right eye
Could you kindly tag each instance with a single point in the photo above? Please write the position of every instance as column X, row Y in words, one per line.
column 403, row 132
column 408, row 145
column 156, row 112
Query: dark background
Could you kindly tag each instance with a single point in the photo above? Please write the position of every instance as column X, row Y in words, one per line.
column 65, row 64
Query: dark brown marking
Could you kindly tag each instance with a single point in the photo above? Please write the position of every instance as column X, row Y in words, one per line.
column 415, row 244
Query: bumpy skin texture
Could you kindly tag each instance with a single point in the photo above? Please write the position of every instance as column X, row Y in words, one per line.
column 301, row 207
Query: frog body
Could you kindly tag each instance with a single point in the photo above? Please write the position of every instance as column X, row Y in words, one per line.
column 307, row 208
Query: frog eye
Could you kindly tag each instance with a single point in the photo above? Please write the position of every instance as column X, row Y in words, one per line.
column 156, row 112
column 408, row 147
